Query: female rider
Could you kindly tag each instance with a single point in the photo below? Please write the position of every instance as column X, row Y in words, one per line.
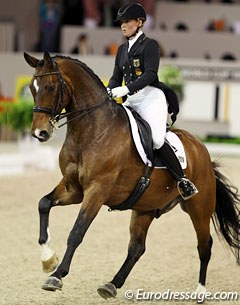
column 137, row 63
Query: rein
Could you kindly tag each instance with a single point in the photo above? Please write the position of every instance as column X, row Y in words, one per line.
column 55, row 118
column 84, row 111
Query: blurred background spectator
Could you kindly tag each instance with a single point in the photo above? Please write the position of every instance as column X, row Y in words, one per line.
column 111, row 48
column 104, row 12
column 82, row 45
column 50, row 21
column 218, row 25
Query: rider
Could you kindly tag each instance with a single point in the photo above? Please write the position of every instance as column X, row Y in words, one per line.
column 137, row 62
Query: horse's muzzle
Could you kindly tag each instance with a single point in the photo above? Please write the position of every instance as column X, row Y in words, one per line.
column 41, row 135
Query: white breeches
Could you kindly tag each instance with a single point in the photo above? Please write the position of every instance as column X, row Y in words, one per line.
column 151, row 104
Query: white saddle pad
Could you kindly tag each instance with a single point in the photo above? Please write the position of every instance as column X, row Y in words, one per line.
column 172, row 138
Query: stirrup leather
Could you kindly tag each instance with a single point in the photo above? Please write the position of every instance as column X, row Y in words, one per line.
column 186, row 188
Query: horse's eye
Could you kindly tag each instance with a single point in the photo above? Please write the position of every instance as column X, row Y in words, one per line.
column 51, row 88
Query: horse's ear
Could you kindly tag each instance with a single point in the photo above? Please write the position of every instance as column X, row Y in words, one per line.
column 48, row 59
column 32, row 61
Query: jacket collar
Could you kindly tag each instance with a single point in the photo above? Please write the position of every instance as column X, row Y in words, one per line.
column 132, row 40
column 137, row 43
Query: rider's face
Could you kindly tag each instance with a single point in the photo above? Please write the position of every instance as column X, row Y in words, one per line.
column 129, row 27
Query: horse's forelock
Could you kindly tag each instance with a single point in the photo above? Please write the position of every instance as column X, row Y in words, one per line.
column 41, row 63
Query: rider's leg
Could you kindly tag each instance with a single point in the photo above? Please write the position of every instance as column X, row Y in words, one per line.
column 155, row 113
column 185, row 187
column 151, row 104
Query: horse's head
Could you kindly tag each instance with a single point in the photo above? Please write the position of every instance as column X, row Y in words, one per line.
column 50, row 95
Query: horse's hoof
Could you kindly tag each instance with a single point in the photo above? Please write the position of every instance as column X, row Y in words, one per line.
column 52, row 284
column 107, row 291
column 50, row 264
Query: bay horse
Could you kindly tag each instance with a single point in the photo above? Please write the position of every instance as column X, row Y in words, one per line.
column 100, row 166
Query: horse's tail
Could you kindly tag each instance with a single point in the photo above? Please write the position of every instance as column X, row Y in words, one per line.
column 226, row 218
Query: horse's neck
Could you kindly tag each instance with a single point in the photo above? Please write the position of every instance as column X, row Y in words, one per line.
column 96, row 122
column 87, row 89
column 92, row 122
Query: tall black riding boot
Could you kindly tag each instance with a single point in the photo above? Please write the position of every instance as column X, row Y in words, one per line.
column 185, row 187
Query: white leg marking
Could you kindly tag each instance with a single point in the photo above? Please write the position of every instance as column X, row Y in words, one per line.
column 46, row 251
column 201, row 288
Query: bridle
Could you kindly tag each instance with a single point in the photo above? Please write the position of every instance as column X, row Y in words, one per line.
column 58, row 100
column 62, row 87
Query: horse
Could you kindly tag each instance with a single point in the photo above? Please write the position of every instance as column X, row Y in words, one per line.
column 100, row 166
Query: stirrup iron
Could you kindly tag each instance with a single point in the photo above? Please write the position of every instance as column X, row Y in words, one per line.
column 186, row 188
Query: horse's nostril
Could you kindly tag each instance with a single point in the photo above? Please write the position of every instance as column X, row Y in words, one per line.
column 43, row 134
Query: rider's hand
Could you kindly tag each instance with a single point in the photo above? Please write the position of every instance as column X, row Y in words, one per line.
column 120, row 91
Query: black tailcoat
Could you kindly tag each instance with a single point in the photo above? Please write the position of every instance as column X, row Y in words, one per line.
column 139, row 68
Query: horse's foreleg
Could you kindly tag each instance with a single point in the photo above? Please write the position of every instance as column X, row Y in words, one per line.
column 48, row 256
column 90, row 206
column 59, row 196
column 140, row 222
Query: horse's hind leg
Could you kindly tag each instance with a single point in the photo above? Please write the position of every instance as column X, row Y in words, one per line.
column 59, row 196
column 140, row 222
column 204, row 252
column 200, row 215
